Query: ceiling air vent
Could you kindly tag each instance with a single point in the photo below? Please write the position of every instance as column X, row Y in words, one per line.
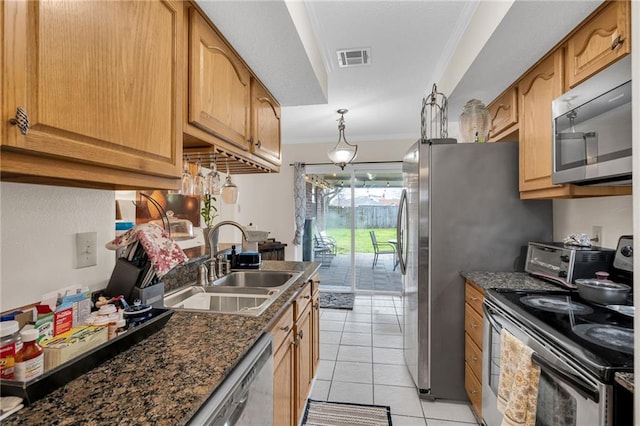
column 354, row 57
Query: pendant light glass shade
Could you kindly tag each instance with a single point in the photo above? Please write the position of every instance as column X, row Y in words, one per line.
column 343, row 153
column 229, row 190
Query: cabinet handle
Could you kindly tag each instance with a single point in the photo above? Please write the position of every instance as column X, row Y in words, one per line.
column 307, row 297
column 473, row 391
column 473, row 299
column 474, row 358
column 617, row 42
column 316, row 305
column 300, row 334
column 21, row 120
column 474, row 325
column 285, row 328
column 258, row 144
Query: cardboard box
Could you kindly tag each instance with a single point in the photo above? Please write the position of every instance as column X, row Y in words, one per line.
column 44, row 322
column 74, row 342
column 81, row 303
column 63, row 319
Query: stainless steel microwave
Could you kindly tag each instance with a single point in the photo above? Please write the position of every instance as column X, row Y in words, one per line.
column 592, row 129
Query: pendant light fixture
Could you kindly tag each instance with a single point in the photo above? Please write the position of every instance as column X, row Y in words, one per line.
column 343, row 153
column 229, row 190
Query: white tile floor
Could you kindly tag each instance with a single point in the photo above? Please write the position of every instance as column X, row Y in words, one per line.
column 361, row 361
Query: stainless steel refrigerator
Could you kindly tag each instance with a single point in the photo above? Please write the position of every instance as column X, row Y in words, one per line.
column 460, row 211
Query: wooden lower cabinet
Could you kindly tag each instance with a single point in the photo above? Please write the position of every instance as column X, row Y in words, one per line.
column 283, row 377
column 304, row 359
column 315, row 329
column 296, row 343
column 474, row 298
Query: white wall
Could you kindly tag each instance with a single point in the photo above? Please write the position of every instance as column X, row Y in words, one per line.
column 37, row 230
column 614, row 214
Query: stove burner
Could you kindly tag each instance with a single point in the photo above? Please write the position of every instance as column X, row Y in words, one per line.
column 609, row 336
column 557, row 304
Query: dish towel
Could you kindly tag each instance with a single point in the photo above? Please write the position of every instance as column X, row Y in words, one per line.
column 164, row 254
column 518, row 386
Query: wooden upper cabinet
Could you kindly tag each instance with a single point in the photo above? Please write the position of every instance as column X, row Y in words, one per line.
column 600, row 41
column 100, row 83
column 265, row 123
column 504, row 114
column 536, row 90
column 219, row 85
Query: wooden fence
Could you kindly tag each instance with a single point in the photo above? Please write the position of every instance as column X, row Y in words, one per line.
column 370, row 217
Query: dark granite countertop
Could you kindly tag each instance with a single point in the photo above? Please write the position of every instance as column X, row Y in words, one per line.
column 626, row 380
column 164, row 379
column 511, row 280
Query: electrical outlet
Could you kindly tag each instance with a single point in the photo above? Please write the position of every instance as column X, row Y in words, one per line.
column 596, row 234
column 86, row 245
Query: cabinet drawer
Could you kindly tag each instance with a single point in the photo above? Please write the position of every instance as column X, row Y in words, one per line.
column 503, row 112
column 473, row 324
column 302, row 300
column 473, row 355
column 473, row 297
column 474, row 390
column 283, row 327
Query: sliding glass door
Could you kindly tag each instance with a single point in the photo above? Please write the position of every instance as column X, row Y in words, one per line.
column 354, row 214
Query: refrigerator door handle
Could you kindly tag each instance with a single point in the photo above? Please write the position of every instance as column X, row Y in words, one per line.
column 400, row 230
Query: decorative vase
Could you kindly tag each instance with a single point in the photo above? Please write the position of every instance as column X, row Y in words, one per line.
column 475, row 122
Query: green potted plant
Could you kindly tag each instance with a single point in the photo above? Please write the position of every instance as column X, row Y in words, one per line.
column 209, row 212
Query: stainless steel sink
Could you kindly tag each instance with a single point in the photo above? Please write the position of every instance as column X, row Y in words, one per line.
column 241, row 293
column 255, row 279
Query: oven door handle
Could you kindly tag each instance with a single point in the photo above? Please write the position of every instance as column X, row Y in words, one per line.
column 580, row 386
column 488, row 315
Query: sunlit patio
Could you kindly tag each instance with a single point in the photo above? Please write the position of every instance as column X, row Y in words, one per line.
column 335, row 274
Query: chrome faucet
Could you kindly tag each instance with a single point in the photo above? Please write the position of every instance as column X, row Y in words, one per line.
column 214, row 233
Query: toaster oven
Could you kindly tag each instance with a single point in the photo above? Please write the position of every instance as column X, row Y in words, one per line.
column 563, row 264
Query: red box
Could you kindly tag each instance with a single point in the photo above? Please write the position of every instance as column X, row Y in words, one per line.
column 62, row 320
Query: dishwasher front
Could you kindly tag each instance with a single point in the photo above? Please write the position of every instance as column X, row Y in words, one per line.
column 245, row 397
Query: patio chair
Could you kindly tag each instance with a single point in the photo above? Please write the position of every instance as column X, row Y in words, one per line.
column 323, row 250
column 324, row 240
column 381, row 248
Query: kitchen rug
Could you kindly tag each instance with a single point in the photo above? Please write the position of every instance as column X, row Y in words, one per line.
column 325, row 413
column 337, row 300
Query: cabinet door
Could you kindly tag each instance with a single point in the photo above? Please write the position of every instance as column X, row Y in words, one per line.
column 315, row 330
column 265, row 123
column 504, row 114
column 219, row 85
column 536, row 91
column 99, row 81
column 283, row 383
column 304, row 354
column 599, row 42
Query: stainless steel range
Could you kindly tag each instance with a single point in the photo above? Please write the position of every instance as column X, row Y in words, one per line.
column 578, row 345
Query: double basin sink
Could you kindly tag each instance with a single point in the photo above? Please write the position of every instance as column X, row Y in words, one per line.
column 240, row 292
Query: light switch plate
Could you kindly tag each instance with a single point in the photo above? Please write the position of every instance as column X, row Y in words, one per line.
column 86, row 244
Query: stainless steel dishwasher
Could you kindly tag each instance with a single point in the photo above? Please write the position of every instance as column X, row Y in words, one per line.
column 245, row 397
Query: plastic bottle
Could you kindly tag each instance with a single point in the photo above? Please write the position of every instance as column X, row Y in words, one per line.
column 10, row 344
column 30, row 359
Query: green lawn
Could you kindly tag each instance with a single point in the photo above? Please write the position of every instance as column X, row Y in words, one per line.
column 363, row 240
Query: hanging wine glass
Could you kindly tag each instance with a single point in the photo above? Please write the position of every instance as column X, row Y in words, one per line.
column 229, row 189
column 199, row 187
column 212, row 180
column 186, row 187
